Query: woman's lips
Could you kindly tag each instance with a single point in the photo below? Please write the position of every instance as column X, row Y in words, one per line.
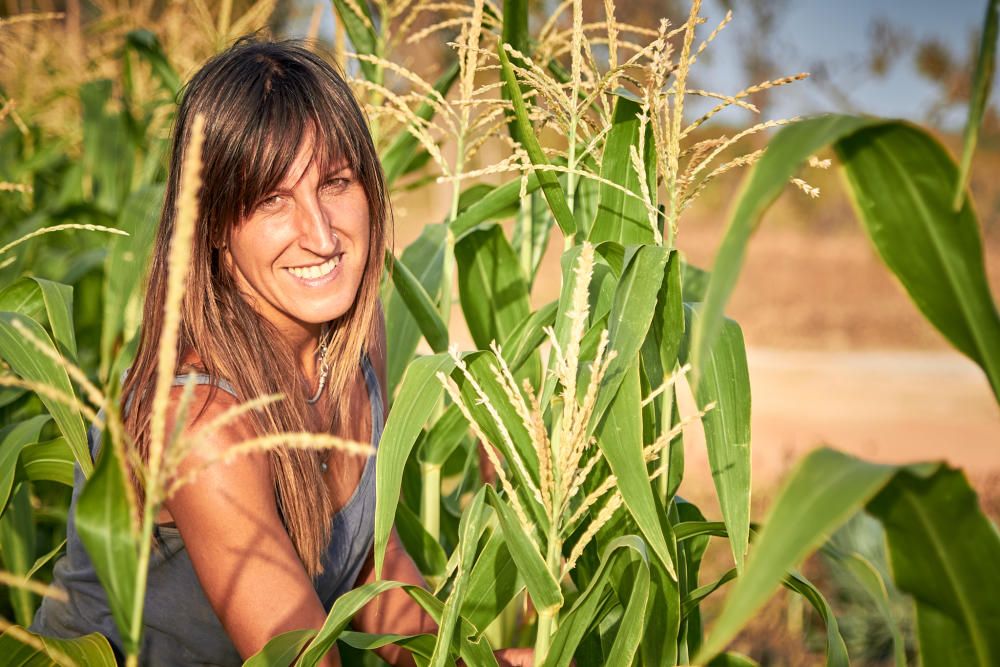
column 318, row 274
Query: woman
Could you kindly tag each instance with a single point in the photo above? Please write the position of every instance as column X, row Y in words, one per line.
column 282, row 297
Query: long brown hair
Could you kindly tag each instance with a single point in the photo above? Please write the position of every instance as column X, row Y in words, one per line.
column 259, row 99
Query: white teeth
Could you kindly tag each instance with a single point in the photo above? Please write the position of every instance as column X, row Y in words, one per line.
column 317, row 271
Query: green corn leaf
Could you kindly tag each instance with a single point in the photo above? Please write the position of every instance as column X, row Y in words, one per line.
column 493, row 583
column 691, row 529
column 92, row 650
column 17, row 544
column 478, row 364
column 476, row 193
column 619, row 436
column 444, row 437
column 620, row 217
column 25, row 297
column 419, row 303
column 420, row 645
column 47, row 302
column 982, row 82
column 45, row 558
column 360, row 30
column 472, row 652
column 551, row 188
column 51, row 460
column 542, row 586
column 868, row 577
column 584, row 612
column 494, row 204
column 104, row 523
column 515, row 33
column 493, row 292
column 469, row 530
column 282, row 649
column 788, row 149
column 695, row 597
column 822, row 492
column 13, row 439
column 732, row 659
column 631, row 315
column 694, row 282
column 108, row 148
column 418, row 395
column 425, row 551
column 836, row 650
column 525, row 339
column 725, row 381
column 900, row 183
column 401, row 154
column 148, row 46
column 31, row 364
column 943, row 551
column 426, row 256
column 341, row 613
column 123, row 271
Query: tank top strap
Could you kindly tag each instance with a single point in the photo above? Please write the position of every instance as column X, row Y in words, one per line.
column 202, row 378
column 374, row 397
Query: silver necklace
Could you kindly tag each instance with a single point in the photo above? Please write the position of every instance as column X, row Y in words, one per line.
column 324, row 370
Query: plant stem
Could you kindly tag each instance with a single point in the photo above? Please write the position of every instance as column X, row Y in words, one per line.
column 666, row 416
column 548, row 618
column 430, row 498
column 142, row 570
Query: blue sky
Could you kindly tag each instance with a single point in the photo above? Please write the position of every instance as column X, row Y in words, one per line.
column 836, row 33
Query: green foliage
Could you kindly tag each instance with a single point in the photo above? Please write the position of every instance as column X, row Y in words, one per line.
column 620, row 583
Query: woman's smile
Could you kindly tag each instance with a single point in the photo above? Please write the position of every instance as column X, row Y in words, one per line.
column 317, row 274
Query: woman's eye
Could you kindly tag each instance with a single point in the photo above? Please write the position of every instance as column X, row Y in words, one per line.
column 270, row 202
column 337, row 184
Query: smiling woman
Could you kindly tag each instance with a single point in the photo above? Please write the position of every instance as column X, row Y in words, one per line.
column 281, row 298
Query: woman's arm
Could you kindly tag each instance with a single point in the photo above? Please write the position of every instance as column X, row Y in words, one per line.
column 241, row 552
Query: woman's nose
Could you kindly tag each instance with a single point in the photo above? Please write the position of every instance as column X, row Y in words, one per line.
column 316, row 230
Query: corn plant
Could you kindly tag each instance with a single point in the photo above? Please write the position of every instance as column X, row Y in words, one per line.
column 582, row 547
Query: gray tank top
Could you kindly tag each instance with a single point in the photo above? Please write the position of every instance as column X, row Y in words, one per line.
column 181, row 628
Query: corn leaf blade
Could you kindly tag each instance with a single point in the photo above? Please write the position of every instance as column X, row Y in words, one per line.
column 820, row 494
column 943, row 551
column 92, row 649
column 426, row 255
column 104, row 523
column 900, row 184
column 551, row 188
column 725, row 381
column 493, row 293
column 419, row 304
column 32, row 365
column 542, row 586
column 620, row 217
column 418, row 394
column 982, row 82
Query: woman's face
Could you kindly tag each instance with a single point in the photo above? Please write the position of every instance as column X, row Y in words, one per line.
column 301, row 253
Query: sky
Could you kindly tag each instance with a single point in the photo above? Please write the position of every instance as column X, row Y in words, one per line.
column 834, row 35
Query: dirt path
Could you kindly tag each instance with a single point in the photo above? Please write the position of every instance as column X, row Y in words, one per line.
column 886, row 406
